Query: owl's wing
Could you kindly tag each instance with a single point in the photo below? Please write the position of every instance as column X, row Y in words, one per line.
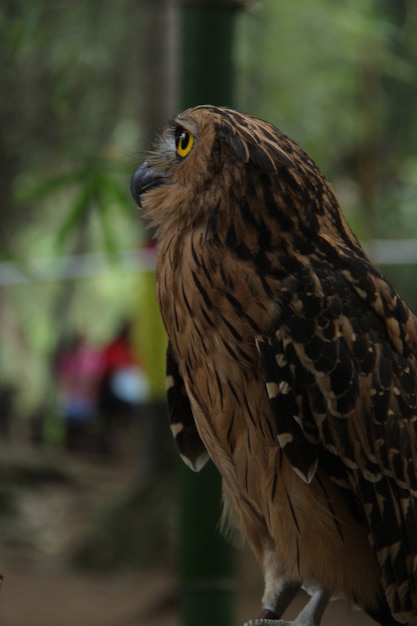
column 339, row 389
column 183, row 428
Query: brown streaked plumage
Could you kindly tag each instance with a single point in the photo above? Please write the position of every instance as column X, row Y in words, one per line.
column 291, row 362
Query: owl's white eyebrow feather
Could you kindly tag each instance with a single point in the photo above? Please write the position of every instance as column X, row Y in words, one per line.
column 164, row 147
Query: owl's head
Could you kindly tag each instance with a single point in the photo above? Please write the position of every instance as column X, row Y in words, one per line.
column 211, row 161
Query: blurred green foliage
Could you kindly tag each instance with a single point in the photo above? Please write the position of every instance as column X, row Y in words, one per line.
column 341, row 79
column 99, row 189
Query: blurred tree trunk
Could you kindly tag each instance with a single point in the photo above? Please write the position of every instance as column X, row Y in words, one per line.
column 401, row 84
column 159, row 64
column 8, row 169
column 369, row 153
column 159, row 93
column 387, row 95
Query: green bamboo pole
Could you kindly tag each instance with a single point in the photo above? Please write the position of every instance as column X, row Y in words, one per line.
column 206, row 62
column 206, row 558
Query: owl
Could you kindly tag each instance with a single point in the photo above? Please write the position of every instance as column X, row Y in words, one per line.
column 291, row 363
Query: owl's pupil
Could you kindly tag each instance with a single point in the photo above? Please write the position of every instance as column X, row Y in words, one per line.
column 184, row 140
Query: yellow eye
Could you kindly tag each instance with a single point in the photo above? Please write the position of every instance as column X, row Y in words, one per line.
column 184, row 141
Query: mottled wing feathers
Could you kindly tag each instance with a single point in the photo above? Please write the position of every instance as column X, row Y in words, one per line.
column 392, row 519
column 183, row 427
column 332, row 349
column 372, row 288
column 296, row 431
column 340, row 375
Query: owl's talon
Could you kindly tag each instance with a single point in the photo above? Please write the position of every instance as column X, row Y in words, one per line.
column 268, row 614
column 267, row 618
column 310, row 616
column 264, row 622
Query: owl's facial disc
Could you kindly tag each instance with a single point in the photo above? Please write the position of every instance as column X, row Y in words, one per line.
column 144, row 179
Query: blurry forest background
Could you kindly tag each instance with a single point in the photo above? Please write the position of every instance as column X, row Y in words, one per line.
column 85, row 85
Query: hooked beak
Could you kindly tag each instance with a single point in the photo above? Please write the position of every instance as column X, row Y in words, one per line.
column 144, row 179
